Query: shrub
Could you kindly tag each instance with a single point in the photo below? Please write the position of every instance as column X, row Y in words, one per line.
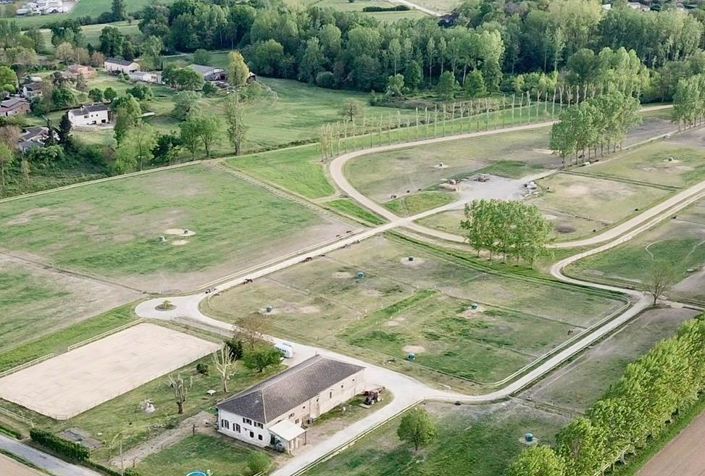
column 11, row 432
column 325, row 79
column 202, row 368
column 258, row 463
column 69, row 449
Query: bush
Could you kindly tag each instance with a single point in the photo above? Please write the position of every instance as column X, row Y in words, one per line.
column 397, row 8
column 235, row 348
column 325, row 79
column 258, row 463
column 69, row 449
column 202, row 368
column 10, row 432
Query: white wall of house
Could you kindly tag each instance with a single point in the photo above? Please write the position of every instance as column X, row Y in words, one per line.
column 114, row 67
column 89, row 119
column 256, row 433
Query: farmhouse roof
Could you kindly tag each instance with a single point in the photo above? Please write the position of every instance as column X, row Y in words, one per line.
column 277, row 395
column 34, row 86
column 119, row 61
column 31, row 133
column 199, row 68
column 13, row 102
column 83, row 110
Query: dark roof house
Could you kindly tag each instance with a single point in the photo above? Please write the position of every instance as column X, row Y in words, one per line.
column 278, row 395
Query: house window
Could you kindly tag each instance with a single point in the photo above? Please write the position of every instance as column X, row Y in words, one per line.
column 252, row 434
column 292, row 415
column 237, row 427
column 259, row 437
column 342, row 385
column 296, row 421
column 225, row 424
column 259, row 425
column 330, row 394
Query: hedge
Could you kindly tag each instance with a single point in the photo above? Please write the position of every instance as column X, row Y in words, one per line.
column 69, row 449
column 398, row 8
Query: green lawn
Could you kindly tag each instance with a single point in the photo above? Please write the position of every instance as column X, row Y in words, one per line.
column 351, row 209
column 59, row 341
column 419, row 202
column 83, row 8
column 219, row 454
column 422, row 306
column 92, row 32
column 472, row 441
column 114, row 228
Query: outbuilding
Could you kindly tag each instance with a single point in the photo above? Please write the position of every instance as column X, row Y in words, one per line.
column 117, row 65
column 89, row 115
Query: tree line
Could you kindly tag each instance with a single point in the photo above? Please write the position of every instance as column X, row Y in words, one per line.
column 510, row 228
column 601, row 121
column 654, row 390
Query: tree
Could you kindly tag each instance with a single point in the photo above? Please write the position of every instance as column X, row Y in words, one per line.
column 661, row 276
column 251, row 329
column 180, row 387
column 127, row 112
column 238, row 72
column 10, row 135
column 475, row 84
column 7, row 157
column 8, row 79
column 65, row 53
column 581, row 446
column 109, row 94
column 225, row 365
column 235, row 122
column 189, row 136
column 111, row 41
column 81, row 83
column 235, row 348
column 185, row 104
column 118, row 10
column 351, row 109
column 64, row 131
column 417, row 428
column 395, row 85
column 201, row 56
column 207, row 129
column 537, row 461
column 166, row 149
column 447, row 85
column 152, row 48
column 261, row 357
column 96, row 95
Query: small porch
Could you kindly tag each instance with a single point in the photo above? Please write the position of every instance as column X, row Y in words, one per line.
column 288, row 436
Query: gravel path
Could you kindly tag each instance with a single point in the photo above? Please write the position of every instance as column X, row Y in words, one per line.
column 42, row 460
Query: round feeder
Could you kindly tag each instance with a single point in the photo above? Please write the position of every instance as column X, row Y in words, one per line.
column 411, row 357
column 410, row 258
column 360, row 275
column 529, row 437
column 474, row 306
column 269, row 309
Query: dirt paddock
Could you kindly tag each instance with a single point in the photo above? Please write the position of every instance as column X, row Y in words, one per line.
column 10, row 467
column 71, row 383
column 683, row 456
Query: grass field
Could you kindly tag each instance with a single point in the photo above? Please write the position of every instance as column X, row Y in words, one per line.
column 83, row 8
column 583, row 381
column 92, row 32
column 420, row 306
column 351, row 209
column 677, row 241
column 35, row 301
column 419, row 202
column 114, row 228
column 473, row 441
column 216, row 453
column 393, row 173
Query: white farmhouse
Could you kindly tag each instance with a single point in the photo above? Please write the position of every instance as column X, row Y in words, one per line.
column 89, row 115
column 117, row 65
column 146, row 76
column 272, row 413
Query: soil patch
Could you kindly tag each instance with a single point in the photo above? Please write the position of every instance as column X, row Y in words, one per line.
column 179, row 232
column 414, row 349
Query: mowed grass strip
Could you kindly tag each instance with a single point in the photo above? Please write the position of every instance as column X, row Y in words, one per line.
column 114, row 228
column 419, row 202
column 472, row 441
column 59, row 341
column 351, row 209
column 219, row 454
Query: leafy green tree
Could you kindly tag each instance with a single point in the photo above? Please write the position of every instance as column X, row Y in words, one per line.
column 118, row 10
column 261, row 357
column 189, row 135
column 417, row 428
column 111, row 41
column 662, row 275
column 7, row 157
column 64, row 131
column 312, row 62
column 109, row 94
column 582, row 446
column 127, row 113
column 537, row 461
column 447, row 85
column 8, row 79
column 201, row 56
column 475, row 84
column 96, row 95
column 185, row 104
column 235, row 122
column 413, row 75
column 238, row 72
column 351, row 109
column 152, row 47
column 395, row 85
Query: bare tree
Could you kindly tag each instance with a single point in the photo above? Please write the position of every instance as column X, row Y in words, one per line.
column 181, row 389
column 662, row 275
column 252, row 328
column 225, row 365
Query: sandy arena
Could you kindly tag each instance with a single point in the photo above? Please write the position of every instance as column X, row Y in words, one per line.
column 11, row 467
column 71, row 383
column 683, row 456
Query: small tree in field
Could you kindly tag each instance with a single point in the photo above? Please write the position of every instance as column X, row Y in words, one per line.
column 417, row 428
column 351, row 110
column 180, row 387
column 262, row 357
column 662, row 275
column 225, row 365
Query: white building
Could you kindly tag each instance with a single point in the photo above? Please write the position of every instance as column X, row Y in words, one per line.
column 146, row 77
column 117, row 65
column 89, row 115
column 272, row 413
column 209, row 73
column 32, row 90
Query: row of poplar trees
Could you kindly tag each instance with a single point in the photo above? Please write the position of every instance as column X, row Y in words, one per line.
column 601, row 122
column 665, row 382
column 689, row 101
column 512, row 229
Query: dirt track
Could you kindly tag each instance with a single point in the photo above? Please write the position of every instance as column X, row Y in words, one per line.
column 684, row 456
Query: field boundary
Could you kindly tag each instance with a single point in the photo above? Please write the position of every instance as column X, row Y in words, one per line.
column 107, row 333
column 23, row 366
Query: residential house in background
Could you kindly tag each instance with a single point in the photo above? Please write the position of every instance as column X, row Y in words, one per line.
column 14, row 106
column 153, row 77
column 209, row 73
column 32, row 90
column 89, row 115
column 33, row 137
column 272, row 413
column 75, row 70
column 117, row 65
